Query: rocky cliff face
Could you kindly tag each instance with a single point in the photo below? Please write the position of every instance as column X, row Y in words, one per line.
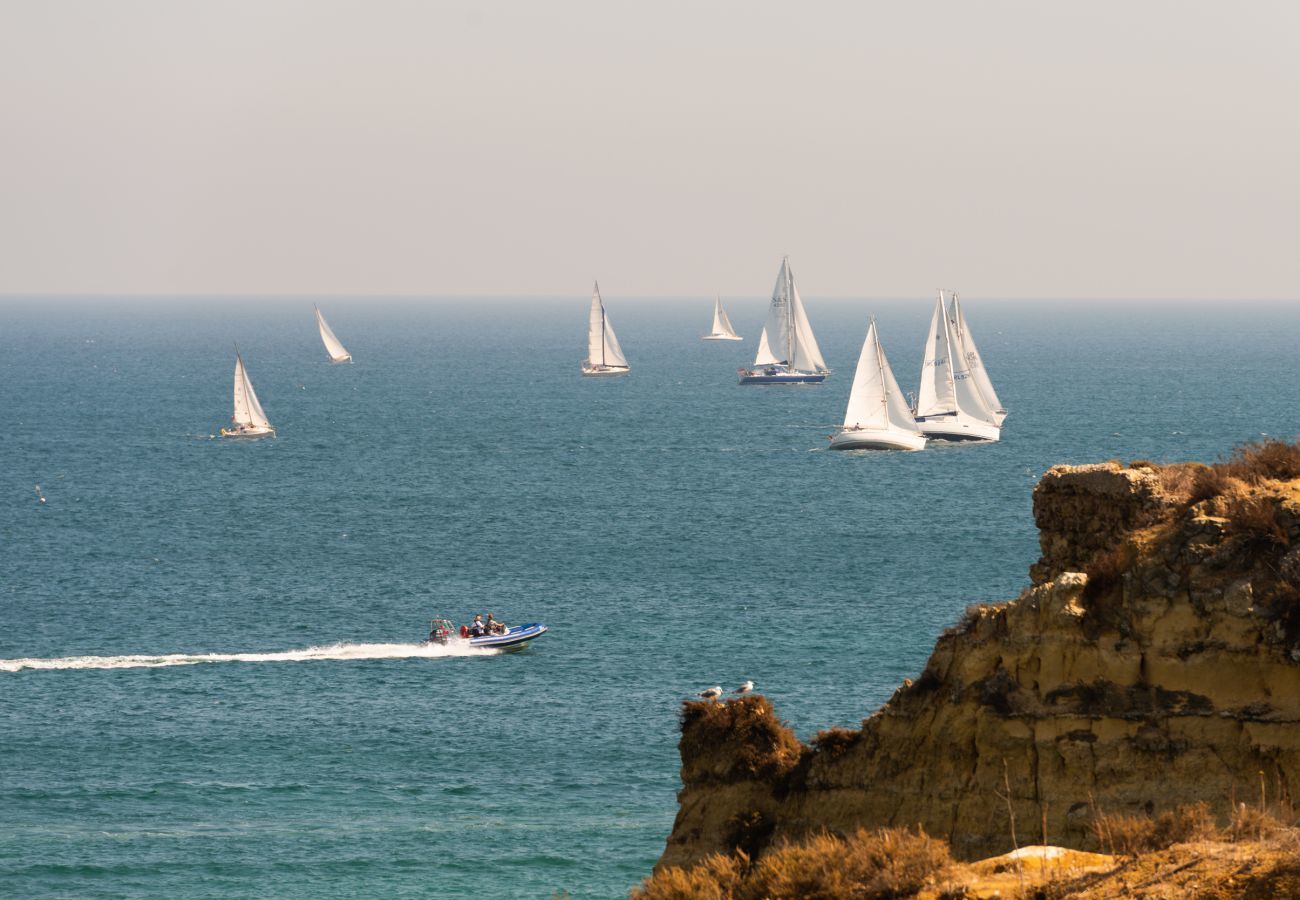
column 1153, row 661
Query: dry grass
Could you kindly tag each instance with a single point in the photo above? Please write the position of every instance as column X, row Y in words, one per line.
column 835, row 742
column 1134, row 835
column 889, row 862
column 1249, row 465
column 1255, row 520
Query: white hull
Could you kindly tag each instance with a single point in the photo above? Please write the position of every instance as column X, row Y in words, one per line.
column 877, row 439
column 345, row 359
column 722, row 337
column 251, row 432
column 956, row 427
column 595, row 371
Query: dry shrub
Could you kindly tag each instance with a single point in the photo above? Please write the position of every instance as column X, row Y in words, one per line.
column 889, row 862
column 1250, row 823
column 1279, row 460
column 716, row 877
column 1254, row 519
column 835, row 742
column 1132, row 835
column 1210, row 482
column 1177, row 479
column 745, row 729
column 1143, row 464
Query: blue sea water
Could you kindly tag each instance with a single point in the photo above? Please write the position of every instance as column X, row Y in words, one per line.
column 674, row 529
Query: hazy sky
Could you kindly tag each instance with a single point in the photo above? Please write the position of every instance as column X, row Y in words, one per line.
column 1021, row 149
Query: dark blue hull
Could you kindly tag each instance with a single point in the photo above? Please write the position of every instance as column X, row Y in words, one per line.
column 783, row 378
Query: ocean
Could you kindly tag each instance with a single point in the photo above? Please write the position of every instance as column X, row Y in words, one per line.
column 210, row 677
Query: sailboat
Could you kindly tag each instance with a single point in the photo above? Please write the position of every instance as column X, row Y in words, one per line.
column 949, row 405
column 787, row 350
column 974, row 363
column 332, row 344
column 722, row 330
column 604, row 355
column 878, row 417
column 249, row 420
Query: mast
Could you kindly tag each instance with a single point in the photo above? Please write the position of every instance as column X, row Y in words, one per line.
column 880, row 366
column 947, row 340
column 789, row 313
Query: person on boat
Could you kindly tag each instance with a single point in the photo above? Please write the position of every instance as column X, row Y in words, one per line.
column 476, row 628
column 495, row 627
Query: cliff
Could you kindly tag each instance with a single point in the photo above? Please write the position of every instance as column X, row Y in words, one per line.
column 1153, row 661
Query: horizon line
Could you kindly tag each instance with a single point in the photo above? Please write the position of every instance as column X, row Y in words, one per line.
column 314, row 296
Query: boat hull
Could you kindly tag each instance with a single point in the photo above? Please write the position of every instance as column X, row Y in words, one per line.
column 958, row 428
column 248, row 433
column 514, row 639
column 603, row 371
column 877, row 439
column 722, row 337
column 748, row 376
column 337, row 362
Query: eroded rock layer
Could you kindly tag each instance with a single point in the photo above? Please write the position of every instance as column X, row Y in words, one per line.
column 1154, row 661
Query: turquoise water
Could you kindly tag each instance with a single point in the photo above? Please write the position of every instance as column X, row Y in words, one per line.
column 674, row 529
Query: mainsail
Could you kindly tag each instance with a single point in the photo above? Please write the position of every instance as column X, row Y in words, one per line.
column 248, row 411
column 876, row 401
column 787, row 336
column 332, row 344
column 721, row 322
column 973, row 361
column 937, row 395
column 602, row 345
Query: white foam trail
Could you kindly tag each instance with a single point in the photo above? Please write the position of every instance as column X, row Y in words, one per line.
column 311, row 654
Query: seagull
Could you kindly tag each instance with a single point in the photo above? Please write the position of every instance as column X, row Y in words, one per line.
column 745, row 688
column 39, row 496
column 712, row 693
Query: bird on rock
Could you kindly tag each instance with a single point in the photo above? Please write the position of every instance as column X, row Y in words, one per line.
column 745, row 688
column 712, row 693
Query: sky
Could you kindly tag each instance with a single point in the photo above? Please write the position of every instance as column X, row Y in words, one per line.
column 1004, row 148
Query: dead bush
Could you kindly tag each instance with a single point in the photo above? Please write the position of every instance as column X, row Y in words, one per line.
column 1133, row 835
column 1250, row 823
column 1210, row 482
column 835, row 742
column 1255, row 520
column 885, row 863
column 1279, row 460
column 889, row 862
column 716, row 877
column 745, row 729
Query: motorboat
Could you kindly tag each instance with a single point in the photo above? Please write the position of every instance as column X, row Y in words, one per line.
column 513, row 637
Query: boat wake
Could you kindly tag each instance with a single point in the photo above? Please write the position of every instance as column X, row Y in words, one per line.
column 311, row 654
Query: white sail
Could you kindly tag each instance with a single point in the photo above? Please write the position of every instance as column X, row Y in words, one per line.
column 967, row 393
column 807, row 355
column 868, row 399
column 721, row 322
column 876, row 401
column 602, row 345
column 333, row 346
column 971, row 354
column 778, row 330
column 936, row 395
column 789, row 336
column 248, row 411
